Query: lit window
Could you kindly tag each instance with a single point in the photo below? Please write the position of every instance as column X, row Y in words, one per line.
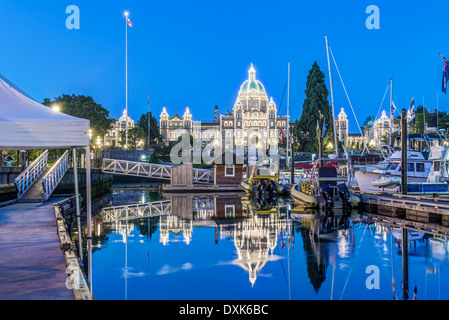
column 229, row 171
column 230, row 211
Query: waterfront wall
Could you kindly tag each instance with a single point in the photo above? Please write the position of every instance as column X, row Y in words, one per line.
column 101, row 183
column 8, row 192
column 129, row 155
column 8, row 174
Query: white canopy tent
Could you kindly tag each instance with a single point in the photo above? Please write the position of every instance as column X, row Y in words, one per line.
column 28, row 125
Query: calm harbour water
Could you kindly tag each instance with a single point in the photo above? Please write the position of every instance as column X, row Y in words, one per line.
column 227, row 248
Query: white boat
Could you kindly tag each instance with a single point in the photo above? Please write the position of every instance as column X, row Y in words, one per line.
column 374, row 179
column 419, row 163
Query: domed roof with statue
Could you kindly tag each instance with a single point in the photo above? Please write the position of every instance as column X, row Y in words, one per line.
column 252, row 88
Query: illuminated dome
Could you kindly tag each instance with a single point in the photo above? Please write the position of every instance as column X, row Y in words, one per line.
column 252, row 85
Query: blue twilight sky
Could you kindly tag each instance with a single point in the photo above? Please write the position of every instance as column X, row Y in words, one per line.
column 197, row 53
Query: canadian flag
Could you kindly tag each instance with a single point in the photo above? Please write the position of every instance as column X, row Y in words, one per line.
column 282, row 136
column 129, row 22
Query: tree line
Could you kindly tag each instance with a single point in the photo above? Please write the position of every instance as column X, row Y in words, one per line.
column 85, row 107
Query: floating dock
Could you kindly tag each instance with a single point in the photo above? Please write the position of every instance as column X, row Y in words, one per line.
column 427, row 209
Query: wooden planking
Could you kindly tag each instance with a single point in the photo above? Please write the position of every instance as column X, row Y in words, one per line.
column 32, row 265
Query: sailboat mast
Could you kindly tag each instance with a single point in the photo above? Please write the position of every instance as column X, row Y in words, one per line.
column 126, row 75
column 332, row 99
column 391, row 107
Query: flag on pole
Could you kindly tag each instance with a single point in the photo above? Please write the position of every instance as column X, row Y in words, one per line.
column 129, row 22
column 412, row 110
column 445, row 75
column 282, row 136
column 392, row 111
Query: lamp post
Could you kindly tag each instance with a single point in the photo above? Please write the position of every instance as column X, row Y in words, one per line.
column 56, row 108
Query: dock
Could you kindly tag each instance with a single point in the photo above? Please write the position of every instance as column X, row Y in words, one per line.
column 426, row 209
column 33, row 266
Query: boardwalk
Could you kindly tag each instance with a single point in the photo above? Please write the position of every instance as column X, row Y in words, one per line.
column 32, row 265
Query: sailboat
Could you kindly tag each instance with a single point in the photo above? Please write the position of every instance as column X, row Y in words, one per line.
column 331, row 178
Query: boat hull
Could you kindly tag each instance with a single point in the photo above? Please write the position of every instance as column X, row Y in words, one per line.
column 365, row 181
column 307, row 200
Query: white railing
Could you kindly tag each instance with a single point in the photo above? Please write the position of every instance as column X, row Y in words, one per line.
column 55, row 175
column 27, row 178
column 151, row 170
column 140, row 169
column 136, row 211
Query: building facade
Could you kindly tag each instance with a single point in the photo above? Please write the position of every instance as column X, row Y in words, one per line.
column 375, row 132
column 112, row 137
column 253, row 119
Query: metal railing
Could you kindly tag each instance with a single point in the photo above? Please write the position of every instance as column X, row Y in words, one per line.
column 203, row 176
column 136, row 211
column 27, row 178
column 151, row 170
column 55, row 175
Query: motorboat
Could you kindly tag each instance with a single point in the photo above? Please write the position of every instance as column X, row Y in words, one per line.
column 435, row 183
column 419, row 164
column 330, row 179
column 264, row 178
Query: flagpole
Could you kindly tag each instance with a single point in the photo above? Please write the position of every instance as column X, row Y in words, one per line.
column 437, row 112
column 149, row 123
column 288, row 115
column 391, row 108
column 332, row 99
column 424, row 114
column 126, row 119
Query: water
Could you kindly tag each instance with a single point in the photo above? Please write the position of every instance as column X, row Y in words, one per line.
column 225, row 248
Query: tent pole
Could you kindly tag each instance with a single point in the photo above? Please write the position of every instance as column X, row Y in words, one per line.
column 89, row 216
column 77, row 200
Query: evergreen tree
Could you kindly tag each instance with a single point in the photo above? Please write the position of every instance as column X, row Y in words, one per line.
column 143, row 123
column 315, row 110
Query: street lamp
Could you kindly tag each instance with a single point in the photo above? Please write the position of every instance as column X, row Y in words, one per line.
column 56, row 108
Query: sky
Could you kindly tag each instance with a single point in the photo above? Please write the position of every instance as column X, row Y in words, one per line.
column 197, row 54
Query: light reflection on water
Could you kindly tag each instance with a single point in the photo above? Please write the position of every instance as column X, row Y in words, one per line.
column 224, row 247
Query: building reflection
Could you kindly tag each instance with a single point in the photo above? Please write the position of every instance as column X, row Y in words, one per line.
column 259, row 229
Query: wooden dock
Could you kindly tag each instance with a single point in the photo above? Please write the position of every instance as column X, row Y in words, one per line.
column 32, row 264
column 428, row 209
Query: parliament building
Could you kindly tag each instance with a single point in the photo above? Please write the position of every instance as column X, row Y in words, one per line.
column 253, row 119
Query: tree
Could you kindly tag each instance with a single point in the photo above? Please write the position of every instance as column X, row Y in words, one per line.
column 155, row 134
column 83, row 107
column 315, row 109
column 135, row 135
column 365, row 123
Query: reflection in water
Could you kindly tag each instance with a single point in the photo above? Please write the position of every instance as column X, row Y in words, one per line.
column 333, row 249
